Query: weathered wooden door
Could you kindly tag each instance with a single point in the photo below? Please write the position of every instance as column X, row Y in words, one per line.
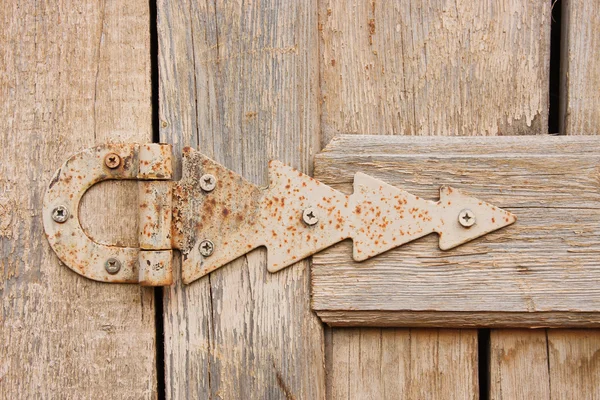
column 246, row 82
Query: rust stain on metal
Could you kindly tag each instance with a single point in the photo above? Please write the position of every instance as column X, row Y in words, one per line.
column 156, row 161
column 294, row 217
column 238, row 216
column 155, row 215
column 112, row 160
column 68, row 240
column 156, row 267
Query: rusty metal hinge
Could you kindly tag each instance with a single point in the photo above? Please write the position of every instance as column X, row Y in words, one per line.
column 213, row 215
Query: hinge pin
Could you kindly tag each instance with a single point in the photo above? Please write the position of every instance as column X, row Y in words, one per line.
column 60, row 214
column 206, row 248
column 208, row 182
column 466, row 218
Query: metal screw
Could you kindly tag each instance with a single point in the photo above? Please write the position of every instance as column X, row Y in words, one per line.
column 466, row 218
column 206, row 248
column 60, row 214
column 208, row 182
column 309, row 216
column 112, row 160
column 112, row 266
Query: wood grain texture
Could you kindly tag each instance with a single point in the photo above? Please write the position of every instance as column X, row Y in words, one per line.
column 574, row 361
column 239, row 82
column 519, row 365
column 72, row 74
column 580, row 75
column 426, row 68
column 545, row 364
column 434, row 68
column 370, row 363
column 467, row 319
column 574, row 356
column 574, row 374
column 545, row 263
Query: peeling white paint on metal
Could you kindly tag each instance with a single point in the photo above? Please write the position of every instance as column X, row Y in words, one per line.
column 72, row 180
column 237, row 216
column 295, row 217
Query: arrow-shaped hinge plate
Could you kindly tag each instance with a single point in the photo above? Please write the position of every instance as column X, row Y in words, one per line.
column 213, row 215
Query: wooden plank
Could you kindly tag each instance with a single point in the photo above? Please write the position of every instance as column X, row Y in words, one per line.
column 578, row 115
column 519, row 365
column 545, row 364
column 580, row 74
column 434, row 68
column 423, row 68
column 469, row 145
column 427, row 319
column 544, row 264
column 239, row 81
column 397, row 364
column 72, row 74
column 574, row 362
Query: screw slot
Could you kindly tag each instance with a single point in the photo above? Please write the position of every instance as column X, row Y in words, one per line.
column 208, row 182
column 112, row 266
column 60, row 214
column 206, row 248
column 466, row 218
column 309, row 216
column 112, row 160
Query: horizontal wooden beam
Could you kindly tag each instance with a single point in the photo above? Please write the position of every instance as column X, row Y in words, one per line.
column 465, row 319
column 542, row 271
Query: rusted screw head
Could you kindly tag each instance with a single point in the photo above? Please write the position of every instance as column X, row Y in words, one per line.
column 208, row 182
column 112, row 160
column 60, row 214
column 466, row 218
column 309, row 216
column 206, row 248
column 112, row 266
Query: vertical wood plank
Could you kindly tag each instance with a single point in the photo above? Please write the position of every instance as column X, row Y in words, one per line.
column 429, row 68
column 574, row 363
column 371, row 363
column 580, row 71
column 544, row 364
column 434, row 68
column 443, row 364
column 574, row 355
column 72, row 74
column 239, row 81
column 568, row 358
column 519, row 364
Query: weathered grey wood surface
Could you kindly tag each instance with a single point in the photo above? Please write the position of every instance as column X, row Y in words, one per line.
column 423, row 68
column 239, row 81
column 519, row 365
column 569, row 357
column 434, row 68
column 574, row 363
column 72, row 74
column 544, row 264
column 544, row 364
column 402, row 364
column 580, row 74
